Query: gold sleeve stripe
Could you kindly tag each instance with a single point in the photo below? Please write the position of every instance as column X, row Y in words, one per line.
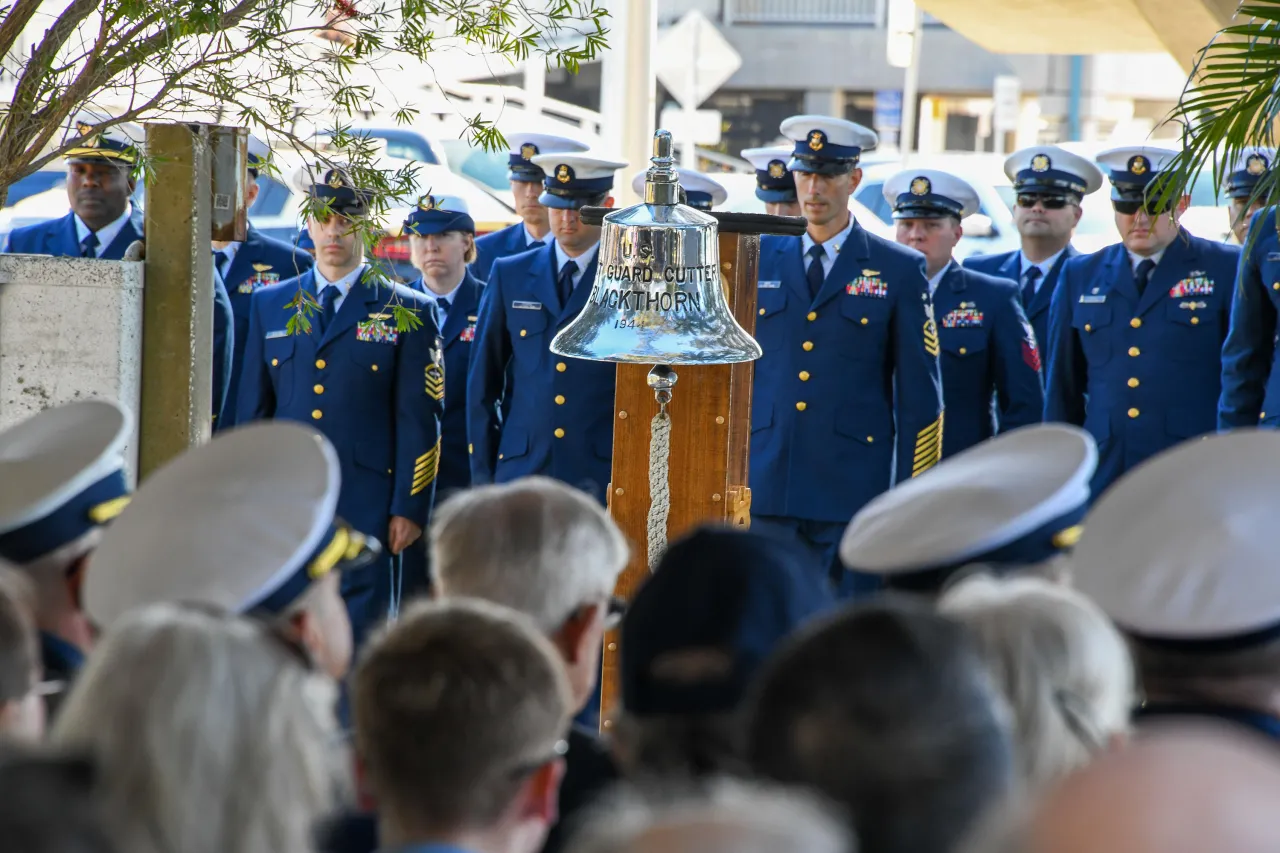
column 931, row 338
column 424, row 472
column 928, row 447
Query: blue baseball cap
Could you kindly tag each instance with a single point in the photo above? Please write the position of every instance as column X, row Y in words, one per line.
column 62, row 474
column 719, row 602
column 436, row 214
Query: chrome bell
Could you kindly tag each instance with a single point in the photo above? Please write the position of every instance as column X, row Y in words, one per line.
column 657, row 297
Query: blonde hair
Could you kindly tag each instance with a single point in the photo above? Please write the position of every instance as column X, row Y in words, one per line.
column 1063, row 667
column 212, row 735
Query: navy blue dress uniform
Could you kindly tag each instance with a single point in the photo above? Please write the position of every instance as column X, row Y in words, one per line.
column 515, row 239
column 774, row 182
column 375, row 392
column 847, row 374
column 245, row 267
column 702, row 192
column 553, row 416
column 245, row 523
column 1250, row 380
column 64, row 475
column 1139, row 365
column 1178, row 555
column 990, row 358
column 1007, row 504
column 458, row 313
column 70, row 237
column 1055, row 177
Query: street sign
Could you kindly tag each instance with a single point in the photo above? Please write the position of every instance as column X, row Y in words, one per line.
column 697, row 127
column 692, row 59
column 1007, row 95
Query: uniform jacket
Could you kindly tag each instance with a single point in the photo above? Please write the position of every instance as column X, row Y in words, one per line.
column 458, row 335
column 824, row 420
column 1250, row 382
column 555, row 415
column 260, row 261
column 988, row 349
column 57, row 237
column 376, row 394
column 499, row 244
column 1140, row 373
column 1009, row 265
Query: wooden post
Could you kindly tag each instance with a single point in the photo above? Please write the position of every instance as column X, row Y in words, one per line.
column 710, row 414
column 177, row 305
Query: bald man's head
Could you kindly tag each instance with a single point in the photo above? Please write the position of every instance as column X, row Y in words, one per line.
column 1177, row 789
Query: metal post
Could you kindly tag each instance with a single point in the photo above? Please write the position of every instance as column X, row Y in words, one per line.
column 177, row 305
column 910, row 90
column 688, row 145
column 627, row 87
column 1074, row 95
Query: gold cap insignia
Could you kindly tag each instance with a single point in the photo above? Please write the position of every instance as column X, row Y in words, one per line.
column 427, row 203
column 528, row 150
column 1257, row 165
column 1040, row 163
column 1138, row 165
column 84, row 128
column 776, row 169
column 921, row 186
column 335, row 179
column 564, row 174
column 817, row 139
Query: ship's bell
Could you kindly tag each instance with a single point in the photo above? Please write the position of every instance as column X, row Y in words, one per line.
column 657, row 297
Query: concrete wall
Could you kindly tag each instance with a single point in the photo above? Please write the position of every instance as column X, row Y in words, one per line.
column 70, row 329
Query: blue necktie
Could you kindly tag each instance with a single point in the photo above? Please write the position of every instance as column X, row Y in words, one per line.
column 1143, row 273
column 1029, row 279
column 221, row 257
column 89, row 246
column 442, row 306
column 328, row 299
column 815, row 274
column 564, row 284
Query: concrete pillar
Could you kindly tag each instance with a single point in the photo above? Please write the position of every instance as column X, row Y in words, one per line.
column 70, row 329
column 628, row 90
column 177, row 342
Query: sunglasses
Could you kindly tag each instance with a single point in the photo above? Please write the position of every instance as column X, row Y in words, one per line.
column 1048, row 202
column 1131, row 208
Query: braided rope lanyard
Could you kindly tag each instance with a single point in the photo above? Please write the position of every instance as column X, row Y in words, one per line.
column 661, row 379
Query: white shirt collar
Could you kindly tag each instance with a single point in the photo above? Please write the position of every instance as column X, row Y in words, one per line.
column 436, row 297
column 1135, row 259
column 936, row 279
column 343, row 284
column 230, row 250
column 108, row 233
column 529, row 239
column 830, row 247
column 1046, row 266
column 583, row 261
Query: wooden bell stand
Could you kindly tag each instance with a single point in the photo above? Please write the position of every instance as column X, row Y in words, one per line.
column 710, row 413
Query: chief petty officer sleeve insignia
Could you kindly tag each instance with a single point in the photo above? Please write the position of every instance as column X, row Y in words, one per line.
column 435, row 377
column 424, row 469
column 928, row 447
column 931, row 336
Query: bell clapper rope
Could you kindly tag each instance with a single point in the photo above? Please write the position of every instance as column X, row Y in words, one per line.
column 661, row 379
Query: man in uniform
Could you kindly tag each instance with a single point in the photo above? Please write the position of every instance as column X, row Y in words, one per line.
column 375, row 391
column 247, row 266
column 701, row 191
column 529, row 411
column 62, row 478
column 1250, row 167
column 1136, row 330
column 990, row 360
column 103, row 223
column 775, row 185
column 850, row 366
column 1050, row 183
column 526, row 186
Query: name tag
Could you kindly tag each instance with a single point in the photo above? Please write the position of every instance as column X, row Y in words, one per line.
column 526, row 306
column 1087, row 298
column 770, row 285
column 1273, row 256
column 282, row 333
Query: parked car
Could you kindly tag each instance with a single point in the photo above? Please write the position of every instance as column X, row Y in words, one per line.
column 742, row 199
